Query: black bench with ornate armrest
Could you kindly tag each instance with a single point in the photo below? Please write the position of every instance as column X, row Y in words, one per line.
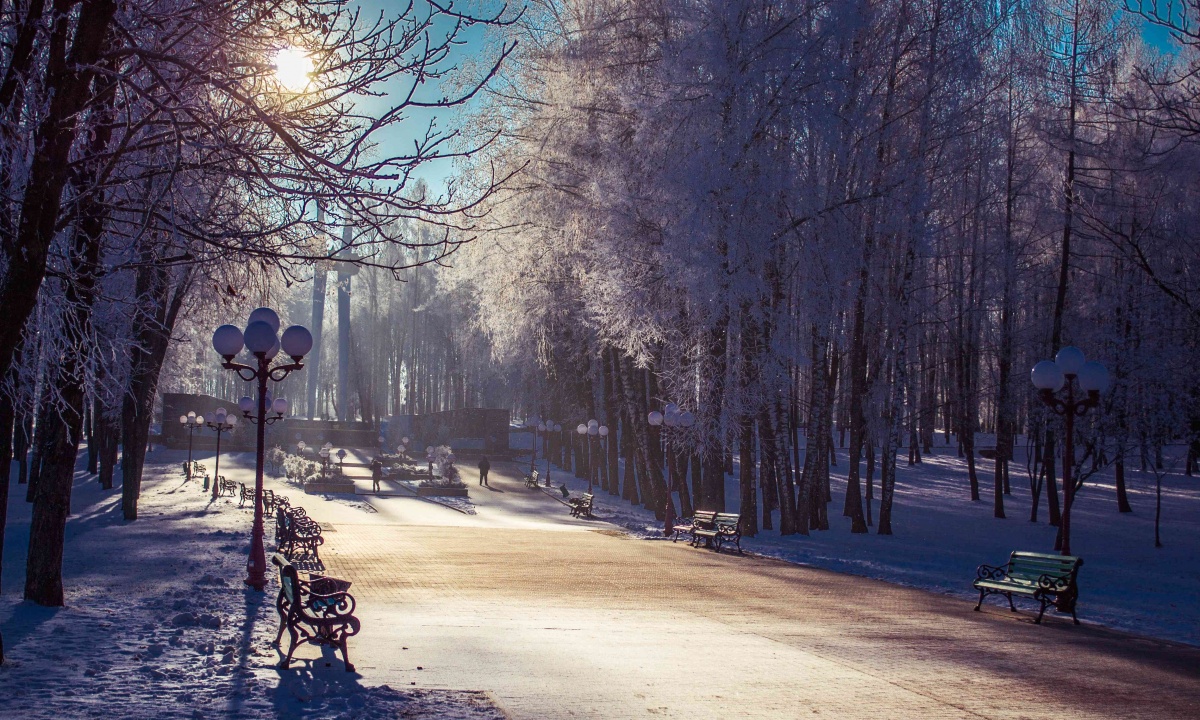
column 714, row 528
column 227, row 487
column 581, row 506
column 317, row 611
column 1048, row 579
column 296, row 534
column 531, row 480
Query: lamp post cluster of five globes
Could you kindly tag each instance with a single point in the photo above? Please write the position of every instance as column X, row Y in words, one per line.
column 262, row 340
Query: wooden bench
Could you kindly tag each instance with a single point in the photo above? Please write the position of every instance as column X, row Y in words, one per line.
column 296, row 534
column 1048, row 579
column 581, row 506
column 227, row 487
column 714, row 528
column 317, row 611
column 531, row 480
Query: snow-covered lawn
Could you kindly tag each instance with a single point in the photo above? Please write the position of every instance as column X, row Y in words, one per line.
column 158, row 623
column 940, row 537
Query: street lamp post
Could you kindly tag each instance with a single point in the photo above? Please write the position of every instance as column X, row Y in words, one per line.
column 542, row 426
column 324, row 454
column 221, row 422
column 581, row 430
column 191, row 421
column 534, row 425
column 551, row 429
column 593, row 431
column 341, row 453
column 671, row 416
column 1055, row 382
column 264, row 344
column 603, row 430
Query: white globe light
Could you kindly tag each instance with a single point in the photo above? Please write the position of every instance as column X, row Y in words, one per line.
column 1047, row 375
column 670, row 409
column 296, row 341
column 219, row 415
column 183, row 419
column 671, row 419
column 655, row 418
column 267, row 315
column 324, row 452
column 557, row 427
column 404, row 439
column 327, row 445
column 280, row 406
column 191, row 416
column 227, row 341
column 246, row 404
column 1070, row 360
column 301, row 445
column 231, row 421
column 581, row 429
column 259, row 336
column 1093, row 377
column 400, row 449
column 270, row 355
column 687, row 419
column 199, row 419
column 541, row 427
column 429, row 450
column 381, row 439
column 603, row 431
column 593, row 423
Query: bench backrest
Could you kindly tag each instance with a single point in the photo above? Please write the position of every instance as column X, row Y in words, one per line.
column 727, row 519
column 587, row 498
column 704, row 518
column 534, row 475
column 288, row 578
column 1031, row 565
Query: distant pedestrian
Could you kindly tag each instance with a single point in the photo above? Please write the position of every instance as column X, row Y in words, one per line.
column 484, row 466
column 376, row 474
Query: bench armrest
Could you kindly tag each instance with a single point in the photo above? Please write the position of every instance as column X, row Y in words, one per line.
column 991, row 572
column 1054, row 583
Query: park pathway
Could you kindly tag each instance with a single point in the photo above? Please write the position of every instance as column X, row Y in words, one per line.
column 563, row 618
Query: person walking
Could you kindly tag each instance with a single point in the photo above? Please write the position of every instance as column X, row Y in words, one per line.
column 376, row 474
column 484, row 466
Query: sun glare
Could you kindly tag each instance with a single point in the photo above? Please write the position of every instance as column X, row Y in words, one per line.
column 293, row 69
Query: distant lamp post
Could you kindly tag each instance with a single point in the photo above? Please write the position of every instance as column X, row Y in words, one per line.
column 191, row 421
column 603, row 432
column 324, row 453
column 551, row 428
column 670, row 417
column 1055, row 382
column 593, row 433
column 221, row 422
column 261, row 339
column 341, row 453
column 535, row 425
column 581, row 431
column 301, row 447
column 429, row 459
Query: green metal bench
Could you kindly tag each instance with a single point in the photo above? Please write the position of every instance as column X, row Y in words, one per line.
column 1048, row 579
column 714, row 528
column 531, row 480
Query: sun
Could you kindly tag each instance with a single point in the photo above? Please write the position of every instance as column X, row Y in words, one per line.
column 293, row 69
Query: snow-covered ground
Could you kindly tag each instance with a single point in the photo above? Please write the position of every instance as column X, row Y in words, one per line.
column 940, row 537
column 159, row 625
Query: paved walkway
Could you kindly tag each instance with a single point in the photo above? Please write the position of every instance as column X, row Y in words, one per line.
column 564, row 618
